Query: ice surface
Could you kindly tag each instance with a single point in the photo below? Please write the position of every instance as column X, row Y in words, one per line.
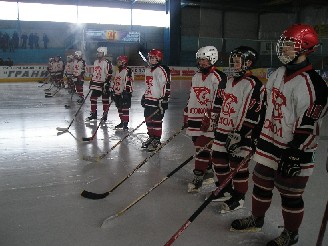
column 42, row 174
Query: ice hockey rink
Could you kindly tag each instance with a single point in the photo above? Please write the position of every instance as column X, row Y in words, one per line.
column 43, row 172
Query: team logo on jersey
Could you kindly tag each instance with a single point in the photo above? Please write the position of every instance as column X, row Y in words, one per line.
column 117, row 83
column 278, row 100
column 201, row 94
column 149, row 83
column 97, row 73
column 227, row 108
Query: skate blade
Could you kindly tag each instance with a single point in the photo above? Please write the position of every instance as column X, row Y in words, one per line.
column 224, row 209
column 191, row 189
column 208, row 181
column 253, row 229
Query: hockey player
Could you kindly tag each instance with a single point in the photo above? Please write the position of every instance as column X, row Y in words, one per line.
column 123, row 88
column 156, row 97
column 296, row 104
column 50, row 69
column 78, row 75
column 205, row 85
column 58, row 69
column 100, row 83
column 237, row 127
column 68, row 71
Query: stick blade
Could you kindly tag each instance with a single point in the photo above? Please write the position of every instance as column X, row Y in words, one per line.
column 47, row 95
column 94, row 196
column 106, row 222
column 90, row 158
column 86, row 139
column 62, row 129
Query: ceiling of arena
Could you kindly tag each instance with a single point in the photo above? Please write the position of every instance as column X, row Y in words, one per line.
column 229, row 5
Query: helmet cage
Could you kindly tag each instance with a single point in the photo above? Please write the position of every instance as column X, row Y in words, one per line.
column 296, row 40
column 208, row 52
column 288, row 49
column 238, row 67
column 123, row 59
column 157, row 54
column 101, row 52
column 78, row 54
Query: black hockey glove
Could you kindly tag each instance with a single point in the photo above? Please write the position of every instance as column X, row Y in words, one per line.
column 126, row 99
column 143, row 101
column 163, row 104
column 290, row 162
column 108, row 91
column 233, row 143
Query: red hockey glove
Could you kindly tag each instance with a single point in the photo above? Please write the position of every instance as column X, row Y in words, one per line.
column 209, row 121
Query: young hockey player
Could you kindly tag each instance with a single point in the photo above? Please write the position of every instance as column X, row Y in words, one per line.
column 100, row 83
column 123, row 88
column 296, row 104
column 155, row 98
column 58, row 70
column 68, row 71
column 237, row 128
column 205, row 85
column 78, row 75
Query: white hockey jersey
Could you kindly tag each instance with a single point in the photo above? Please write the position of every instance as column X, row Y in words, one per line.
column 123, row 80
column 295, row 106
column 69, row 68
column 102, row 71
column 240, row 110
column 158, row 81
column 78, row 67
column 203, row 93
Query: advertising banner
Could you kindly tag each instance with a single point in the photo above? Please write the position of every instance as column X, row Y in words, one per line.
column 112, row 35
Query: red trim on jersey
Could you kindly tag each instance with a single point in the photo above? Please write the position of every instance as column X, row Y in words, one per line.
column 272, row 140
column 304, row 69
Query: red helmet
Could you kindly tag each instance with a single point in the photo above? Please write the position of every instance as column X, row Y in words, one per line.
column 123, row 59
column 157, row 53
column 304, row 39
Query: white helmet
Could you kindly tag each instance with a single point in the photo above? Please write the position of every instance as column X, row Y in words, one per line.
column 103, row 50
column 208, row 52
column 78, row 53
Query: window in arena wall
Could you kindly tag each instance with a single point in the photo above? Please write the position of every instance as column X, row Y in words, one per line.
column 81, row 14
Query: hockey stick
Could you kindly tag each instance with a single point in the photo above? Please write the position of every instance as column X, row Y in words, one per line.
column 66, row 128
column 208, row 200
column 143, row 58
column 98, row 158
column 155, row 186
column 47, row 95
column 94, row 134
column 323, row 227
column 95, row 196
column 45, row 81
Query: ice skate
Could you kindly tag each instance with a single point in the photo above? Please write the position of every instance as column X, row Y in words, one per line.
column 231, row 205
column 154, row 145
column 104, row 117
column 147, row 142
column 80, row 100
column 286, row 238
column 247, row 224
column 125, row 126
column 93, row 116
column 224, row 195
column 208, row 177
column 119, row 126
column 196, row 184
